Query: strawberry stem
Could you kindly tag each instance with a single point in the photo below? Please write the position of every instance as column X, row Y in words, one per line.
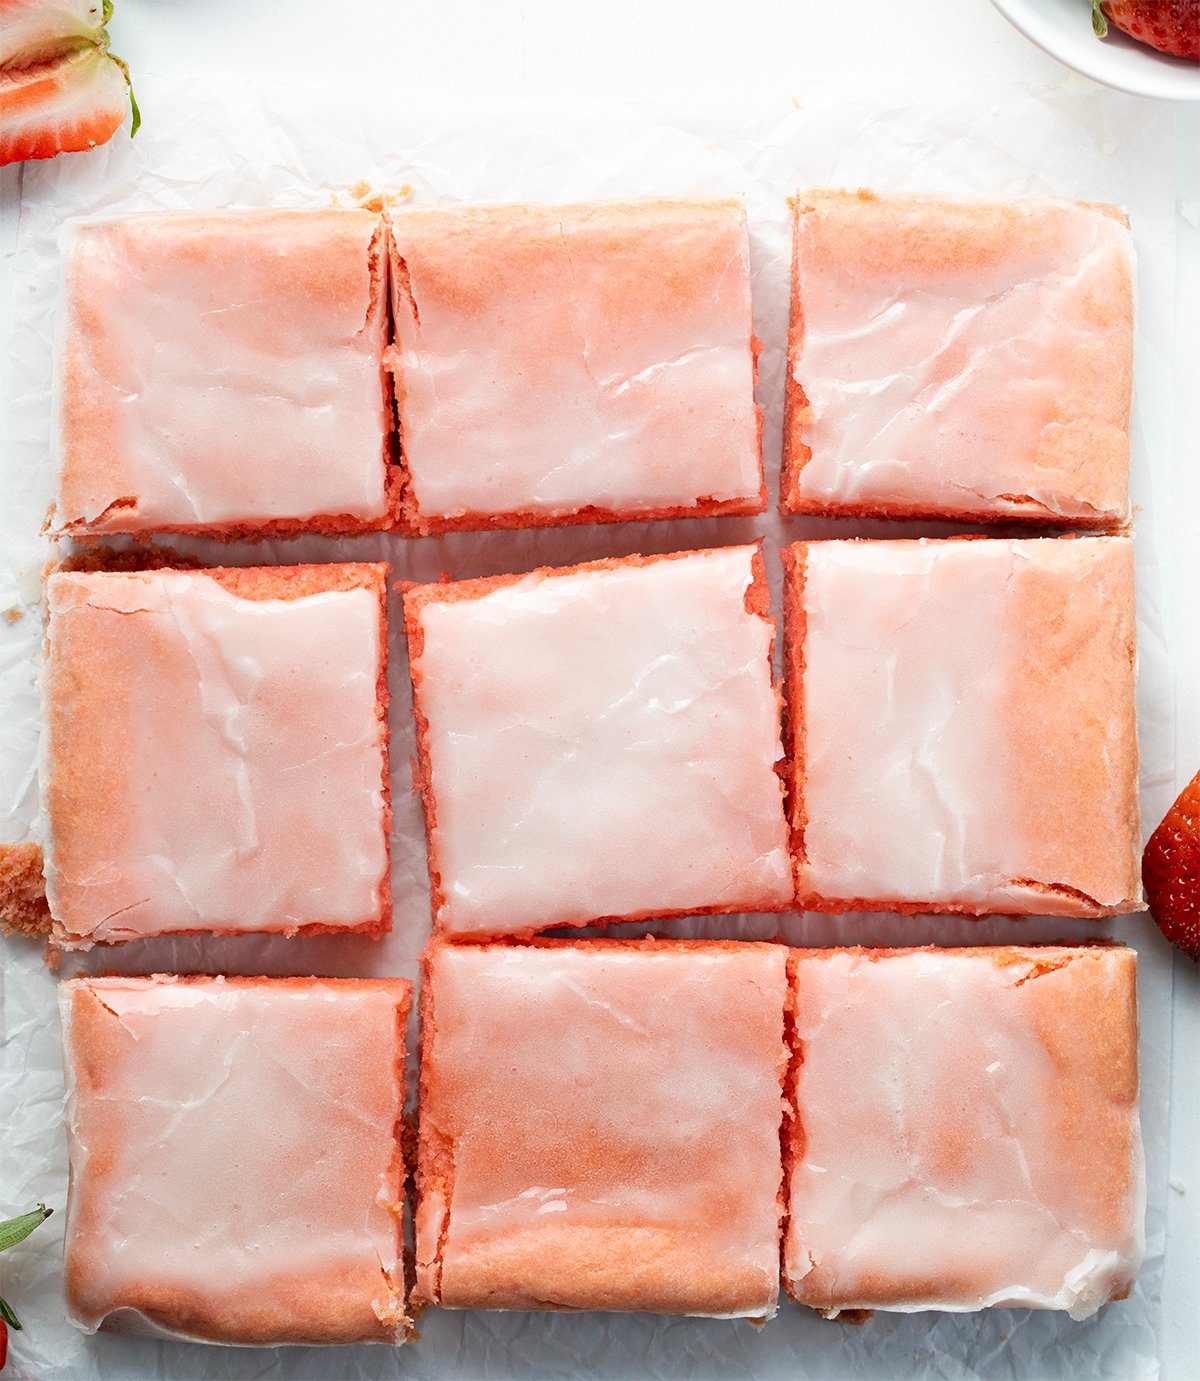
column 137, row 114
column 1099, row 20
column 18, row 1229
column 12, row 1231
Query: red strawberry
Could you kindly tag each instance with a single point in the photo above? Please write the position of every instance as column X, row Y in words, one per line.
column 13, row 1231
column 1171, row 26
column 60, row 87
column 1171, row 871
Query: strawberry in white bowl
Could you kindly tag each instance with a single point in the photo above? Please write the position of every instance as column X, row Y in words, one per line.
column 1157, row 57
column 1171, row 26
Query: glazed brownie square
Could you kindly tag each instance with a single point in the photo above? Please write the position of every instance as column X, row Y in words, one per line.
column 600, row 1126
column 600, row 742
column 223, row 373
column 216, row 751
column 236, row 1171
column 957, row 359
column 561, row 364
column 966, row 1130
column 963, row 726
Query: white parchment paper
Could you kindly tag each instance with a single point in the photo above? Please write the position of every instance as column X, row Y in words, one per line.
column 217, row 144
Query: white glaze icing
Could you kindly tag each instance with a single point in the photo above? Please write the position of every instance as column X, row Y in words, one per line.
column 970, row 383
column 555, row 358
column 937, row 768
column 602, row 743
column 586, row 1095
column 242, row 755
column 947, row 1151
column 233, row 1149
column 221, row 369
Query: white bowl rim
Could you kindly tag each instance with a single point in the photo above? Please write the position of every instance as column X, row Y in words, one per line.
column 1118, row 62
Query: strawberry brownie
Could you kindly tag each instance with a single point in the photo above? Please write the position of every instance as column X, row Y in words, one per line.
column 559, row 364
column 966, row 1131
column 236, row 1170
column 600, row 742
column 957, row 359
column 963, row 729
column 223, row 373
column 600, row 1126
column 215, row 751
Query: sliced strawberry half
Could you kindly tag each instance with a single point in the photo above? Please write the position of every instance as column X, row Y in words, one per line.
column 32, row 27
column 1171, row 871
column 60, row 88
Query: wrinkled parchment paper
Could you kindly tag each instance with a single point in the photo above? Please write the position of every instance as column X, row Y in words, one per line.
column 217, row 144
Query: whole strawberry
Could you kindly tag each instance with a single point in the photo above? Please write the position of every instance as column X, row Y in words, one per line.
column 1171, row 871
column 1171, row 26
column 11, row 1232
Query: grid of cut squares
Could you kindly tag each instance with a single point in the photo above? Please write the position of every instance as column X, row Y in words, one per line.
column 600, row 1120
column 236, row 1167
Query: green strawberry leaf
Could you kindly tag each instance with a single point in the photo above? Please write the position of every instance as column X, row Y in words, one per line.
column 18, row 1229
column 7, row 1314
column 1099, row 20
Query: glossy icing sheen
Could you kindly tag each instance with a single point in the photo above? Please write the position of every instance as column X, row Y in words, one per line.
column 968, row 1131
column 235, row 1173
column 602, row 743
column 600, row 1128
column 556, row 358
column 963, row 357
column 966, row 717
column 212, row 762
column 222, row 370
